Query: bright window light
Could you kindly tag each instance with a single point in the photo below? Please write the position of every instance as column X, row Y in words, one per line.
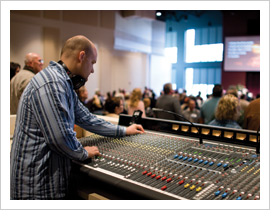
column 202, row 53
column 171, row 54
column 193, row 89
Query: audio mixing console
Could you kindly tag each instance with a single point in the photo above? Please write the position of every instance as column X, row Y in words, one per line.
column 179, row 167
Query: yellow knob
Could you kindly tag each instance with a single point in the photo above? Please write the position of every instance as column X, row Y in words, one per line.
column 192, row 187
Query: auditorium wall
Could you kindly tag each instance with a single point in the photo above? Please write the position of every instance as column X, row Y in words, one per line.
column 44, row 32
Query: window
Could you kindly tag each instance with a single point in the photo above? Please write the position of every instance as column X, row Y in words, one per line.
column 170, row 54
column 204, row 54
column 170, row 51
column 201, row 53
column 193, row 88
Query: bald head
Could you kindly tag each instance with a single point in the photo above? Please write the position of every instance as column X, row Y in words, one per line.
column 79, row 54
column 34, row 61
column 76, row 44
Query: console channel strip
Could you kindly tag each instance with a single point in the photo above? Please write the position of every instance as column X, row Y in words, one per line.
column 180, row 167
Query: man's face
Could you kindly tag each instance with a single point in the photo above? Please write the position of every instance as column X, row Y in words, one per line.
column 191, row 104
column 37, row 64
column 87, row 63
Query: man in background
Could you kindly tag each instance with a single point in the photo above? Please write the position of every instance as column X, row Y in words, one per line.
column 169, row 103
column 208, row 109
column 33, row 65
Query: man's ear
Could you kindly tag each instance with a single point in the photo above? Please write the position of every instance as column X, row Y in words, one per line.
column 82, row 56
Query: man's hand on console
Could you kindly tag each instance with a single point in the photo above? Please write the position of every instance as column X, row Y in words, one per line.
column 92, row 151
column 134, row 129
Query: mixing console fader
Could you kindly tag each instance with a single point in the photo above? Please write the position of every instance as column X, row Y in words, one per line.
column 180, row 167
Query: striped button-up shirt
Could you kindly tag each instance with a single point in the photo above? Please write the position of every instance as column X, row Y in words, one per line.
column 44, row 141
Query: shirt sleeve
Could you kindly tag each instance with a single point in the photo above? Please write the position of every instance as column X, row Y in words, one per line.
column 90, row 122
column 52, row 111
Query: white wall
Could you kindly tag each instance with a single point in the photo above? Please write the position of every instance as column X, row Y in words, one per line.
column 131, row 73
column 25, row 38
column 114, row 68
column 160, row 72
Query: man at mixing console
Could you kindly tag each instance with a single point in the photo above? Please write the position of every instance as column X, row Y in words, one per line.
column 44, row 141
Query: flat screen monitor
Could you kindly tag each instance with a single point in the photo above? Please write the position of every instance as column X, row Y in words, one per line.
column 242, row 54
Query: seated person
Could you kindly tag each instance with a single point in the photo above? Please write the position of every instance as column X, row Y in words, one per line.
column 148, row 109
column 226, row 112
column 94, row 104
column 82, row 94
column 114, row 106
column 135, row 102
column 191, row 113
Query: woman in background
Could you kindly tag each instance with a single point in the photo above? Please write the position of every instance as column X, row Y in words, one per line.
column 227, row 112
column 135, row 102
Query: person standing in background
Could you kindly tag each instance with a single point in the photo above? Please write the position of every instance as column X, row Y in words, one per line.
column 168, row 102
column 208, row 109
column 33, row 65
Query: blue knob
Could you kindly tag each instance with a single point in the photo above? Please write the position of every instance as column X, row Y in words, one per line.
column 217, row 193
column 190, row 159
column 185, row 158
column 225, row 165
column 224, row 195
column 175, row 156
column 206, row 162
column 200, row 161
column 195, row 160
column 180, row 157
column 239, row 198
column 211, row 163
column 219, row 164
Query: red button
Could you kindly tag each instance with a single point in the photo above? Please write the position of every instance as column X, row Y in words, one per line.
column 145, row 172
column 158, row 177
column 163, row 178
column 149, row 174
column 153, row 175
column 181, row 182
column 163, row 188
column 168, row 180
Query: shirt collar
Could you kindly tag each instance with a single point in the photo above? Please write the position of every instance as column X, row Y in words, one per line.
column 29, row 68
